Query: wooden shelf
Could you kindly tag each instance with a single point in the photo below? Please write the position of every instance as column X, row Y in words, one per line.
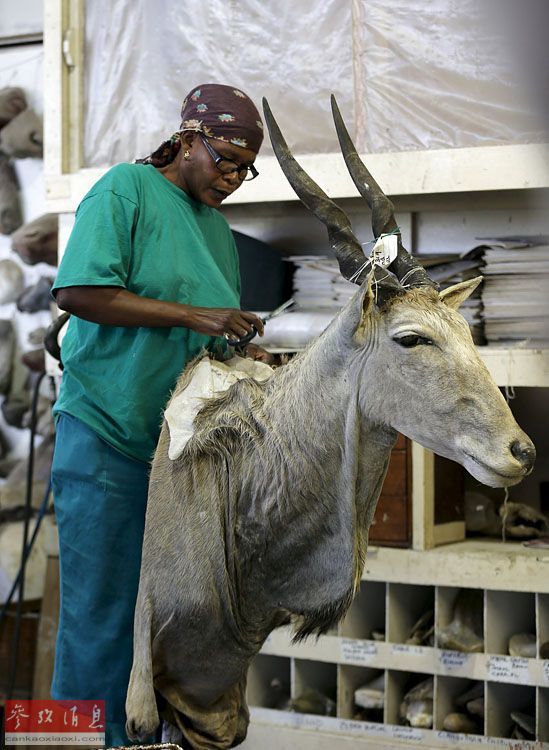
column 508, row 365
column 338, row 663
column 405, row 658
column 283, row 730
column 517, row 366
column 481, row 564
column 435, row 171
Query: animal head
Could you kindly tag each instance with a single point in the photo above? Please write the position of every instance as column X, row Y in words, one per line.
column 411, row 358
column 416, row 368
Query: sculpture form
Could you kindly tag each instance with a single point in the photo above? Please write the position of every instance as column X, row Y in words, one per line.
column 265, row 515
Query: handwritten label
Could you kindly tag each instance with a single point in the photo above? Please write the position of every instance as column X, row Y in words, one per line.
column 407, row 733
column 356, row 651
column 402, row 648
column 361, row 727
column 310, row 722
column 472, row 739
column 385, row 250
column 452, row 661
column 508, row 669
column 546, row 672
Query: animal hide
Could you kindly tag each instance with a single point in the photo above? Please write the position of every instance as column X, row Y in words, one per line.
column 11, row 216
column 36, row 242
column 22, row 136
column 12, row 101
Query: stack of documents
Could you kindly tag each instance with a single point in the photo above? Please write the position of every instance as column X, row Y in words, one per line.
column 516, row 291
column 318, row 284
column 447, row 270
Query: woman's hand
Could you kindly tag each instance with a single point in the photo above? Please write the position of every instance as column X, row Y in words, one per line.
column 253, row 351
column 222, row 321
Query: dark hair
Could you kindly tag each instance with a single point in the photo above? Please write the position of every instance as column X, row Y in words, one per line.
column 165, row 153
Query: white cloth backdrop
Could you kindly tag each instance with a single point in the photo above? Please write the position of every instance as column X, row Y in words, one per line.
column 408, row 74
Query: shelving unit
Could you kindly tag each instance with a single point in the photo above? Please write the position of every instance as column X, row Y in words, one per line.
column 350, row 658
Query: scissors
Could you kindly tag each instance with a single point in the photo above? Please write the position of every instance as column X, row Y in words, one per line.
column 249, row 336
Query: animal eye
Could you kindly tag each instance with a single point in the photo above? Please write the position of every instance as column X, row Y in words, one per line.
column 413, row 340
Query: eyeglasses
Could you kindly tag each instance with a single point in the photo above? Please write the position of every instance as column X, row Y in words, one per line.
column 227, row 166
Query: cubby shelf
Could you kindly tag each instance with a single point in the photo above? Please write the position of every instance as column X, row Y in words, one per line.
column 402, row 657
column 338, row 663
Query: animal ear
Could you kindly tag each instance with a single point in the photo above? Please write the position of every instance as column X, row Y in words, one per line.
column 455, row 295
column 367, row 297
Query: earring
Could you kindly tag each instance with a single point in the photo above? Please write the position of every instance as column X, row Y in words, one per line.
column 186, row 154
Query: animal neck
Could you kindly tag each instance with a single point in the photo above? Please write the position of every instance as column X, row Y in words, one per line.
column 317, row 411
column 330, row 463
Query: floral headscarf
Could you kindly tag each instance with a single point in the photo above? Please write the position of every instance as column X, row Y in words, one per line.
column 217, row 111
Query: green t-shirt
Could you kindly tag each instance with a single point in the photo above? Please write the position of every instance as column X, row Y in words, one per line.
column 137, row 230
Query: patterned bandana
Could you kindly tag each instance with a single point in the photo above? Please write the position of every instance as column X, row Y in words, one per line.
column 220, row 112
column 225, row 113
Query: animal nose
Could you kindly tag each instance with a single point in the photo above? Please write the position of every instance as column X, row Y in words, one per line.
column 524, row 452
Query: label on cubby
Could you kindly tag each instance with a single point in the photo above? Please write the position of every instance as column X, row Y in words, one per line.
column 354, row 651
column 546, row 671
column 477, row 739
column 362, row 727
column 406, row 733
column 453, row 661
column 508, row 669
column 398, row 649
column 308, row 721
column 455, row 737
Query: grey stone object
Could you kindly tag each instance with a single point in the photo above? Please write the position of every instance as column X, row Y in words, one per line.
column 23, row 136
column 11, row 216
column 12, row 102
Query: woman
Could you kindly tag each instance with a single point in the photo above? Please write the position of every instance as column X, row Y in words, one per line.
column 150, row 275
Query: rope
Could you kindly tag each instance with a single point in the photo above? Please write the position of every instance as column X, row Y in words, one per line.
column 509, row 395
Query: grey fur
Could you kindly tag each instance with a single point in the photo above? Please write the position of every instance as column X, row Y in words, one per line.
column 266, row 513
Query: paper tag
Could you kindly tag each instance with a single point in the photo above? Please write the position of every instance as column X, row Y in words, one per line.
column 385, row 250
column 452, row 661
column 508, row 669
column 357, row 651
column 404, row 648
column 407, row 733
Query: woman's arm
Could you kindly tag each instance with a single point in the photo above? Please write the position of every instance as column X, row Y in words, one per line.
column 116, row 306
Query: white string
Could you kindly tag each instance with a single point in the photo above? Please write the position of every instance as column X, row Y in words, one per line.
column 356, row 274
column 408, row 274
column 504, row 517
column 509, row 394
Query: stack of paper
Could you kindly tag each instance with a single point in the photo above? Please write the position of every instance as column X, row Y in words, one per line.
column 516, row 291
column 318, row 284
column 320, row 289
column 447, row 270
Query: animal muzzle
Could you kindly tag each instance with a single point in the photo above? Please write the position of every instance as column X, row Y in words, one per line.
column 524, row 452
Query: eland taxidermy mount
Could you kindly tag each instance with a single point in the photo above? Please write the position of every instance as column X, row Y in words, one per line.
column 264, row 517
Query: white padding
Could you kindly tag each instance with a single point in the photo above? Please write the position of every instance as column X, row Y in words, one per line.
column 210, row 379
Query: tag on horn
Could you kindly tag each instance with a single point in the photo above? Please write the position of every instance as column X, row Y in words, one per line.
column 385, row 250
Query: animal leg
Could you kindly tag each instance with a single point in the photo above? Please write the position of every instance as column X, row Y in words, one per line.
column 141, row 711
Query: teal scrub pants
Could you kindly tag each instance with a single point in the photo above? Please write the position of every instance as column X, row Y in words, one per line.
column 100, row 497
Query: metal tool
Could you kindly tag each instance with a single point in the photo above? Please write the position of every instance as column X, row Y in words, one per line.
column 249, row 336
